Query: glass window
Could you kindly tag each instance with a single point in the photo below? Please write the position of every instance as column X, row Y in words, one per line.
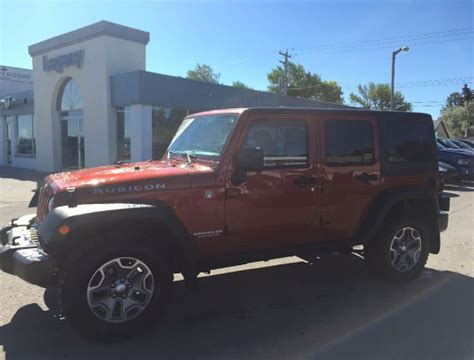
column 70, row 98
column 409, row 141
column 165, row 123
column 123, row 134
column 203, row 136
column 25, row 143
column 284, row 142
column 348, row 142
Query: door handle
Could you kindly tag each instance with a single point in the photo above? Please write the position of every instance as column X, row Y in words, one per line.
column 233, row 192
column 365, row 177
column 304, row 181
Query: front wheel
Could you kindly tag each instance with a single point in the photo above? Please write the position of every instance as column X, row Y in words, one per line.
column 112, row 293
column 400, row 251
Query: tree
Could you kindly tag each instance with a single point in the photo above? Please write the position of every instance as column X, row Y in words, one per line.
column 331, row 92
column 302, row 83
column 459, row 119
column 204, row 73
column 377, row 97
column 240, row 84
column 467, row 93
column 455, row 99
column 458, row 98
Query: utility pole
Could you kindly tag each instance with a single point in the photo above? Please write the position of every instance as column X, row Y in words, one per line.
column 286, row 55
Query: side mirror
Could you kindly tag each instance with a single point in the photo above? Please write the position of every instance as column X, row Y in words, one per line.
column 250, row 159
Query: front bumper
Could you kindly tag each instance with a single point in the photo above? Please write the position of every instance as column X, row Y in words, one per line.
column 22, row 255
column 466, row 172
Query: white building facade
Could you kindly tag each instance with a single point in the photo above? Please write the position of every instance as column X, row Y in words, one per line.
column 92, row 102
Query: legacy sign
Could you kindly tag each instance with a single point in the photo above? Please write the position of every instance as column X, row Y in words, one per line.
column 58, row 63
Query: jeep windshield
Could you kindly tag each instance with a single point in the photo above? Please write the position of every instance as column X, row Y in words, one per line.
column 202, row 137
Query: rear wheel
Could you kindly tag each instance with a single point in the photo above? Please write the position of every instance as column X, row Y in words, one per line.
column 400, row 251
column 109, row 292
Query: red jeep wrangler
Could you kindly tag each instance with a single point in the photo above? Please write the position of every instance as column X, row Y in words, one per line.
column 235, row 186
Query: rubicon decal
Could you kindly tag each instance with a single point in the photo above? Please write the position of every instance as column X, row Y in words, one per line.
column 129, row 188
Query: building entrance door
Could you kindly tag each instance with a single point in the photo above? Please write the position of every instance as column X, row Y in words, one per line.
column 8, row 139
column 72, row 129
column 72, row 140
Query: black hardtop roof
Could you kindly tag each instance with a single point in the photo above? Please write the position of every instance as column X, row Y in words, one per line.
column 305, row 110
column 337, row 111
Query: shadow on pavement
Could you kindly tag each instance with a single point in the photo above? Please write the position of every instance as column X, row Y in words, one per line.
column 450, row 194
column 330, row 309
column 13, row 173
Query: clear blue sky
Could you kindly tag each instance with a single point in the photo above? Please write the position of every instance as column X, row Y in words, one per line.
column 241, row 40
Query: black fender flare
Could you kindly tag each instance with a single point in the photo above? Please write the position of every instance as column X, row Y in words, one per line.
column 88, row 215
column 382, row 205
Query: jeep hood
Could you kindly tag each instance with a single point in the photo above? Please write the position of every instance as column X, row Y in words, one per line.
column 152, row 174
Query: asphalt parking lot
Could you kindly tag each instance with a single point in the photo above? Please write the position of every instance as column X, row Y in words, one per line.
column 325, row 308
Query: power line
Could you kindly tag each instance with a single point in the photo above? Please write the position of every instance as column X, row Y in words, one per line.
column 462, row 78
column 436, row 37
column 428, row 101
column 421, row 36
column 413, row 84
column 435, row 82
column 411, row 44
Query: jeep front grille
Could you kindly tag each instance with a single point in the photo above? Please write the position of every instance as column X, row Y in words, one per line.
column 34, row 236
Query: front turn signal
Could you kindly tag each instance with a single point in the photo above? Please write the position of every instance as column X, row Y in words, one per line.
column 64, row 230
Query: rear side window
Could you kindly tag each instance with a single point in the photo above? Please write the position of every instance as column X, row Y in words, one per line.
column 409, row 141
column 348, row 142
column 284, row 142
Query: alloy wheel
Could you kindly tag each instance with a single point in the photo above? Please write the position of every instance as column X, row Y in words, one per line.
column 405, row 249
column 120, row 289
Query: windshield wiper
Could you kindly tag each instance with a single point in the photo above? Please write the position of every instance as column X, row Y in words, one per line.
column 171, row 153
column 189, row 157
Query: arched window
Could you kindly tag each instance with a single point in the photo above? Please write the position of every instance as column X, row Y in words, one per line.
column 70, row 97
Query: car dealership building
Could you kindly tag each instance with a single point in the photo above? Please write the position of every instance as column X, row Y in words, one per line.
column 89, row 101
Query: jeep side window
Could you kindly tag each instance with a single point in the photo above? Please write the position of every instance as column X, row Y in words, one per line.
column 284, row 142
column 409, row 141
column 348, row 142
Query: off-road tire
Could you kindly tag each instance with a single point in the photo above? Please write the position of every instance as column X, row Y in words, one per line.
column 83, row 263
column 377, row 252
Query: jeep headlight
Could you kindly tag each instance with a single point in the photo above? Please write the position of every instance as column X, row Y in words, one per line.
column 51, row 203
column 463, row 161
column 442, row 169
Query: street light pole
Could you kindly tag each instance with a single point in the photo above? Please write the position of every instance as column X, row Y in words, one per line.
column 392, row 92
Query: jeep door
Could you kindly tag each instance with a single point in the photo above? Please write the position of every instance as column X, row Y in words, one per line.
column 274, row 207
column 350, row 172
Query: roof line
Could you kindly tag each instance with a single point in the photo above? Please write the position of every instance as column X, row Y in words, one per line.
column 101, row 28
